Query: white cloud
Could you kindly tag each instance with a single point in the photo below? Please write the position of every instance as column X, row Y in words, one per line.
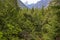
column 30, row 1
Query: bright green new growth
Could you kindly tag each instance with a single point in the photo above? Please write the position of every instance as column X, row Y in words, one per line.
column 28, row 24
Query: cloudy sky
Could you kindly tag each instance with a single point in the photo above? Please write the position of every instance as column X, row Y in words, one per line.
column 30, row 1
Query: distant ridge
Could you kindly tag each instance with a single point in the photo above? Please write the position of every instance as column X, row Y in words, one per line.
column 39, row 4
column 21, row 4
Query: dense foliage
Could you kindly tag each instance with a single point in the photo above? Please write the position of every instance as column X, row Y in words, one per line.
column 28, row 24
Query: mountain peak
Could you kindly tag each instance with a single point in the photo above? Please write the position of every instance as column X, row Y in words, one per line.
column 39, row 4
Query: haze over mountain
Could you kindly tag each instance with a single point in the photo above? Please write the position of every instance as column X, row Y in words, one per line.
column 30, row 1
column 38, row 3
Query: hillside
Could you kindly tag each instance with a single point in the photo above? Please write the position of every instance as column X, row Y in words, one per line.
column 21, row 4
column 39, row 4
column 29, row 24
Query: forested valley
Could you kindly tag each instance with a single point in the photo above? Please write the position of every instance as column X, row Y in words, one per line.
column 29, row 24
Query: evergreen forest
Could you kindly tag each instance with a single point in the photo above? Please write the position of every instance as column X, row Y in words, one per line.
column 29, row 24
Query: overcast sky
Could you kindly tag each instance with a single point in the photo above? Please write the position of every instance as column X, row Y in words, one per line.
column 30, row 1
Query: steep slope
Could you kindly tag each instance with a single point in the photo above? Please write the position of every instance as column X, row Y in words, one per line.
column 22, row 5
column 40, row 4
